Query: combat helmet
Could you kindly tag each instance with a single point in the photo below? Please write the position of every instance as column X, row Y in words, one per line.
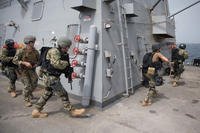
column 182, row 46
column 155, row 47
column 9, row 43
column 29, row 39
column 64, row 42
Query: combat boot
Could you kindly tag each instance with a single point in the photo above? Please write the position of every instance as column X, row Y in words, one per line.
column 28, row 104
column 37, row 114
column 174, row 84
column 77, row 112
column 146, row 102
column 13, row 94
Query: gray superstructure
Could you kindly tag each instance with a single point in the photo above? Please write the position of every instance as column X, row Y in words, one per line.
column 115, row 33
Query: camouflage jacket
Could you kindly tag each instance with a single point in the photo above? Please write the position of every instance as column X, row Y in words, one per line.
column 179, row 55
column 31, row 56
column 54, row 56
column 7, row 56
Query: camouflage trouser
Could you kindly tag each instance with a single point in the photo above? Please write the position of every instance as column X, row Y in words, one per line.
column 178, row 70
column 53, row 84
column 30, row 80
column 152, row 86
column 12, row 76
column 151, row 80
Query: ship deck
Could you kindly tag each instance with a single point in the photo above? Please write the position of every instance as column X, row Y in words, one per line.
column 176, row 110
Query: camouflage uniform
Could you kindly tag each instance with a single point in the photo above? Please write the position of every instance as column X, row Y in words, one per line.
column 152, row 92
column 52, row 83
column 178, row 57
column 10, row 68
column 152, row 73
column 58, row 63
column 29, row 75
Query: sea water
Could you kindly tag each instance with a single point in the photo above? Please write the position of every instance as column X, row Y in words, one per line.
column 194, row 52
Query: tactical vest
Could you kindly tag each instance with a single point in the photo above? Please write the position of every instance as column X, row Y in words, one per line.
column 175, row 56
column 179, row 55
column 31, row 56
column 56, row 72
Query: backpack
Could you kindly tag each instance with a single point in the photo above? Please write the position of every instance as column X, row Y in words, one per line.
column 184, row 54
column 45, row 64
column 42, row 57
column 147, row 61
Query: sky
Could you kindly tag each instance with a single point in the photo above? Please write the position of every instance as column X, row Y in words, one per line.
column 187, row 22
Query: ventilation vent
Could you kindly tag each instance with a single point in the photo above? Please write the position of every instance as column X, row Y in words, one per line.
column 5, row 3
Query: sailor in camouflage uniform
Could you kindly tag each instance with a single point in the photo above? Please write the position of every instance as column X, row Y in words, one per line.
column 8, row 52
column 57, row 62
column 178, row 57
column 152, row 72
column 27, row 59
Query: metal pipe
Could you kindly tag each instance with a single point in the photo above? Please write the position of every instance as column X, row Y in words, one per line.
column 122, row 43
column 87, row 88
column 78, row 33
column 184, row 9
column 155, row 5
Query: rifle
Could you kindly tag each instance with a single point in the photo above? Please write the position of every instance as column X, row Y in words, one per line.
column 71, row 85
column 68, row 74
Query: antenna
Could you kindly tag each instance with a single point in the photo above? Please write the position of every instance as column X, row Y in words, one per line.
column 184, row 9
